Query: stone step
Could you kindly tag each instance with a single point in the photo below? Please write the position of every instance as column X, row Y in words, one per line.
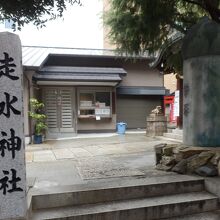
column 113, row 191
column 173, row 136
column 141, row 209
column 168, row 139
column 214, row 215
column 177, row 131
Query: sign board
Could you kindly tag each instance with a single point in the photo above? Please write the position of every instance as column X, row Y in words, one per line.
column 177, row 103
column 13, row 204
column 102, row 111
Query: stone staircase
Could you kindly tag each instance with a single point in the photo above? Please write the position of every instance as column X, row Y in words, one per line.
column 174, row 134
column 170, row 196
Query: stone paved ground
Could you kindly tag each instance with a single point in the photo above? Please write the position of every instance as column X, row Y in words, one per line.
column 75, row 149
column 76, row 161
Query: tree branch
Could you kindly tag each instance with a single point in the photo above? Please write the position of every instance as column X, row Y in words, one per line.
column 195, row 3
column 212, row 8
column 178, row 27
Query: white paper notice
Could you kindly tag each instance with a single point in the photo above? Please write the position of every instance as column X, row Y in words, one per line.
column 98, row 118
column 176, row 104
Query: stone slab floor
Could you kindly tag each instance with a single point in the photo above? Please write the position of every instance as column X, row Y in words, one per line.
column 89, row 159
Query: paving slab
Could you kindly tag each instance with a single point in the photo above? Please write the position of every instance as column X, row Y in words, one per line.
column 80, row 152
column 112, row 149
column 102, row 150
column 44, row 156
column 95, row 150
column 36, row 147
column 65, row 153
column 29, row 156
column 53, row 173
column 133, row 149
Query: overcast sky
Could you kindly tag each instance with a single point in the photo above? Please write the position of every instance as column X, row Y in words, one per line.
column 81, row 27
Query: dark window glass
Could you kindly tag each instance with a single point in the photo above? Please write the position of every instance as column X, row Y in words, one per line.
column 103, row 97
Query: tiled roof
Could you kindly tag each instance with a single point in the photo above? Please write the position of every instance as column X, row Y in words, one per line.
column 58, row 73
column 34, row 56
column 81, row 70
column 78, row 77
column 135, row 90
column 177, row 37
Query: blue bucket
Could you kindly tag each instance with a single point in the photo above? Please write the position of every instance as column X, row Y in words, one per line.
column 121, row 127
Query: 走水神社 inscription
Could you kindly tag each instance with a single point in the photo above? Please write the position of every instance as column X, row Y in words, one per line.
column 13, row 204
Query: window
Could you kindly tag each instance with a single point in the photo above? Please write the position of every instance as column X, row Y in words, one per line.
column 93, row 104
column 103, row 97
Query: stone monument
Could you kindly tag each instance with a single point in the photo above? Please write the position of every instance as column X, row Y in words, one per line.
column 201, row 70
column 13, row 204
column 156, row 123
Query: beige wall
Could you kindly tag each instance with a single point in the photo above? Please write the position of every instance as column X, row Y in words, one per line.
column 106, row 42
column 139, row 74
column 170, row 82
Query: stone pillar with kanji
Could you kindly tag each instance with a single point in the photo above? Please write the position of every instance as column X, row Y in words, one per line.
column 201, row 70
column 13, row 203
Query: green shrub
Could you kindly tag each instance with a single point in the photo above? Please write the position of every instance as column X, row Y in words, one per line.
column 38, row 117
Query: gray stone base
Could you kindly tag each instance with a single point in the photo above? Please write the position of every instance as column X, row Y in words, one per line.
column 156, row 125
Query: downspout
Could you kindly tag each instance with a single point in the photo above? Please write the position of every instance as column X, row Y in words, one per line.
column 29, row 95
